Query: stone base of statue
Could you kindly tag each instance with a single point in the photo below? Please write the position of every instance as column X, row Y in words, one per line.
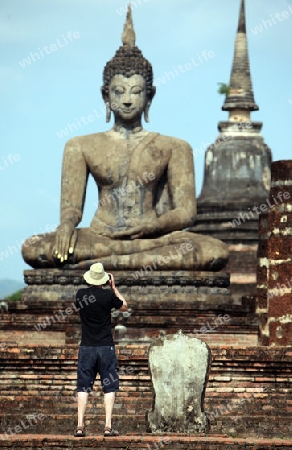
column 161, row 303
column 179, row 367
column 57, row 285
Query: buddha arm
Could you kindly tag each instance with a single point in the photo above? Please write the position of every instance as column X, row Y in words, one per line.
column 74, row 180
column 181, row 184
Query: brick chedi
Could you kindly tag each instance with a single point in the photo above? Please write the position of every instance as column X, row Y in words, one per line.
column 274, row 289
column 237, row 175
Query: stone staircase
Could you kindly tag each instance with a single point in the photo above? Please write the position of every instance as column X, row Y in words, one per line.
column 248, row 396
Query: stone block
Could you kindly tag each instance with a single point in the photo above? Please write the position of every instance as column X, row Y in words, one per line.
column 179, row 367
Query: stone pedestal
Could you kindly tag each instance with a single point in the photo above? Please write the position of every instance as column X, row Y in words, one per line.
column 161, row 302
column 179, row 367
column 55, row 285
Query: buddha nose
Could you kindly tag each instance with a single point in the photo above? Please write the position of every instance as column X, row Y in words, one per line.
column 127, row 100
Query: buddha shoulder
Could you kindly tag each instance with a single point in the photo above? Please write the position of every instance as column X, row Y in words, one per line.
column 87, row 141
column 173, row 143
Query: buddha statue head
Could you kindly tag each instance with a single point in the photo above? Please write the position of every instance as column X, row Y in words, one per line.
column 128, row 68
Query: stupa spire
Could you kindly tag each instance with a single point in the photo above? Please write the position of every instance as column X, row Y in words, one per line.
column 242, row 21
column 240, row 97
column 129, row 36
column 237, row 165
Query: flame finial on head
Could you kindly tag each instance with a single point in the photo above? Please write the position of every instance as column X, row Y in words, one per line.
column 129, row 36
column 128, row 61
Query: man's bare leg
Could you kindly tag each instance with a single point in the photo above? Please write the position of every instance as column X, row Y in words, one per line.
column 82, row 402
column 109, row 400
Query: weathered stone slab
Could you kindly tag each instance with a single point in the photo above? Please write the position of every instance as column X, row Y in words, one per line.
column 60, row 285
column 179, row 367
column 162, row 303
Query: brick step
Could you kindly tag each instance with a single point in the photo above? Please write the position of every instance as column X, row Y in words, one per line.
column 42, row 422
column 50, row 356
column 216, row 404
column 65, row 405
column 247, row 337
column 142, row 442
column 131, row 421
column 19, row 372
column 194, row 315
column 40, row 306
column 34, row 322
column 221, row 420
column 186, row 306
column 216, row 413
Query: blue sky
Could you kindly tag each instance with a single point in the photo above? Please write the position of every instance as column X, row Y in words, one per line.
column 61, row 85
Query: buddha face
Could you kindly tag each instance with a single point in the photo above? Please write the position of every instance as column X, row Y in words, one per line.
column 127, row 97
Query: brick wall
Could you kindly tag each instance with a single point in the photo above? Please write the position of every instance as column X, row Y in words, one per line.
column 274, row 273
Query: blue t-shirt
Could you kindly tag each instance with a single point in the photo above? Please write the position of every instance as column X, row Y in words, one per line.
column 95, row 305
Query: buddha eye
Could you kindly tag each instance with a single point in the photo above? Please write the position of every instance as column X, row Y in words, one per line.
column 137, row 90
column 118, row 90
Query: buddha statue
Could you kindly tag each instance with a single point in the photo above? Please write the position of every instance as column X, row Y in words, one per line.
column 145, row 181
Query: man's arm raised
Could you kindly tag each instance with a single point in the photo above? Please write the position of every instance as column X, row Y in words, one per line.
column 124, row 307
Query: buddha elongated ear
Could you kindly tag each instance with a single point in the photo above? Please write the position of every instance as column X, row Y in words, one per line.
column 108, row 112
column 104, row 94
column 146, row 112
column 147, row 107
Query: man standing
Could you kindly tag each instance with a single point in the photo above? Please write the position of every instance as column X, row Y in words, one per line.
column 97, row 351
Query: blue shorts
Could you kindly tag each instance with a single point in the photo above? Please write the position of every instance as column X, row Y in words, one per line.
column 94, row 360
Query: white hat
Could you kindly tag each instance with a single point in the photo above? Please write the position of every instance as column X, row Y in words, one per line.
column 96, row 275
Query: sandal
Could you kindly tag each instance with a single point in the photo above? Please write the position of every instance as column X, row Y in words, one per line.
column 110, row 432
column 79, row 432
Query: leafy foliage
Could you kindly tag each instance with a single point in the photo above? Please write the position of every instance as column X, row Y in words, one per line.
column 223, row 89
column 14, row 297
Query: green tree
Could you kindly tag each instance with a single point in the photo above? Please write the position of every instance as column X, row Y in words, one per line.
column 15, row 296
column 223, row 89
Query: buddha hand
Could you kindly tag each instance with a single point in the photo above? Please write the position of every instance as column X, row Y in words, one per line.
column 66, row 237
column 137, row 231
